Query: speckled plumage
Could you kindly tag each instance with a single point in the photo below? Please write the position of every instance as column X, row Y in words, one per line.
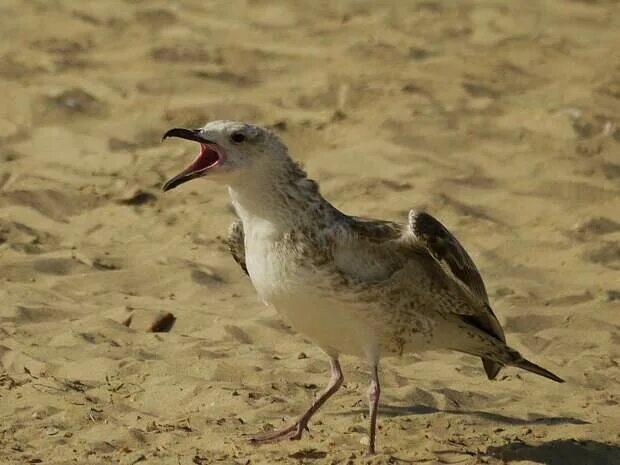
column 404, row 278
column 236, row 245
column 357, row 286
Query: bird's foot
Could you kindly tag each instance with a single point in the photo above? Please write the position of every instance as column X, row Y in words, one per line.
column 292, row 433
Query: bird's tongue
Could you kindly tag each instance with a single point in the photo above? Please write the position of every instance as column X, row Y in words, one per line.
column 205, row 159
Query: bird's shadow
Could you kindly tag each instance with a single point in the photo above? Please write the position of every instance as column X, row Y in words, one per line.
column 559, row 452
column 395, row 411
column 556, row 452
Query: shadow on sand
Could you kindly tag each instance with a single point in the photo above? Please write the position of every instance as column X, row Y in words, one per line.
column 559, row 452
column 395, row 411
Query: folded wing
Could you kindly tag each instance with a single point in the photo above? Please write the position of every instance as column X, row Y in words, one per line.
column 456, row 262
column 236, row 244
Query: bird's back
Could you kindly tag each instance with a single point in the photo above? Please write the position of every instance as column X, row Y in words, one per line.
column 424, row 261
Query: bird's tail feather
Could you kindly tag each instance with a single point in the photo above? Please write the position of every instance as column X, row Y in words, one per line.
column 495, row 354
column 491, row 367
column 532, row 367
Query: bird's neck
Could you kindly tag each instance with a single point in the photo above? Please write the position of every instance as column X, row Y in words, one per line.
column 284, row 198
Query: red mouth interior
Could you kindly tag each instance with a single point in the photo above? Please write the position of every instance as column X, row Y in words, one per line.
column 207, row 158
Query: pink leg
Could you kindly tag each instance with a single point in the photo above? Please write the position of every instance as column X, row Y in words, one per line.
column 373, row 400
column 295, row 431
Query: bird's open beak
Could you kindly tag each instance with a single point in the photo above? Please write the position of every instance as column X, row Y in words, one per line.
column 210, row 155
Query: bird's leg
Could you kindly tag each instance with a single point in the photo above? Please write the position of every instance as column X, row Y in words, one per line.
column 374, row 391
column 295, row 431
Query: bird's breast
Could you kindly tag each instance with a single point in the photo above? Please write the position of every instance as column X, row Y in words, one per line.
column 270, row 265
column 286, row 276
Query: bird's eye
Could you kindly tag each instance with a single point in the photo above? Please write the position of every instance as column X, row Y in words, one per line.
column 237, row 137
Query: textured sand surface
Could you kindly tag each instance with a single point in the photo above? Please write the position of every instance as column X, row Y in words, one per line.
column 499, row 117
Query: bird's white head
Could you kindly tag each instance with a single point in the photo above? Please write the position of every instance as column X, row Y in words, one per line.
column 230, row 153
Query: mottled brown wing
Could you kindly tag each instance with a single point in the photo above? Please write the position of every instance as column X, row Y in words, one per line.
column 236, row 244
column 448, row 251
column 451, row 255
column 375, row 230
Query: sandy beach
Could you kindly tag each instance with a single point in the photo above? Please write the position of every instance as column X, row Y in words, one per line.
column 500, row 118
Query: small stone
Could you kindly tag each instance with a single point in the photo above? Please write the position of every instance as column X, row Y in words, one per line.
column 163, row 323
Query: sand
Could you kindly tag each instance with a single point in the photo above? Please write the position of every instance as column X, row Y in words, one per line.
column 500, row 118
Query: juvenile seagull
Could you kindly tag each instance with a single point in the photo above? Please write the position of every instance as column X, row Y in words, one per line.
column 357, row 286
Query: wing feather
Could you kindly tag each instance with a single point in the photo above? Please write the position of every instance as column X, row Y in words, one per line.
column 236, row 244
column 448, row 251
column 451, row 255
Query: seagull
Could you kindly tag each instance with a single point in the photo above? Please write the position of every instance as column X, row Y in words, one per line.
column 356, row 286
